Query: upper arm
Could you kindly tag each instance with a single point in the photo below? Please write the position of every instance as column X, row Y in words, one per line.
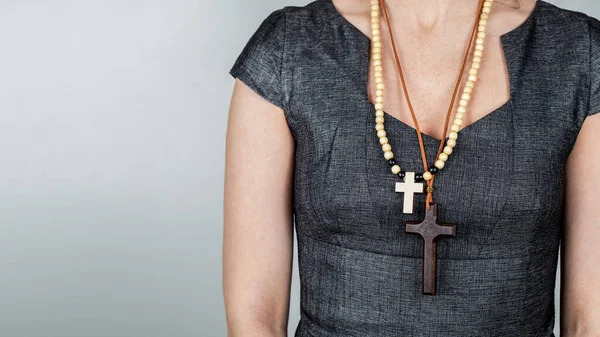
column 258, row 208
column 580, row 268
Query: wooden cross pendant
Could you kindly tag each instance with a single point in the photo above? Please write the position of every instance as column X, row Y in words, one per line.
column 429, row 229
column 409, row 187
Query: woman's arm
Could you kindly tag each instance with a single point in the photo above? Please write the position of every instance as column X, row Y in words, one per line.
column 258, row 226
column 580, row 268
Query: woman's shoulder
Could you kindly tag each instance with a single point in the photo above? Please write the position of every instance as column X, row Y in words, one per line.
column 265, row 61
column 307, row 22
column 567, row 42
column 560, row 21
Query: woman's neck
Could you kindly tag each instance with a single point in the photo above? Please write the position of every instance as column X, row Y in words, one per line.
column 430, row 15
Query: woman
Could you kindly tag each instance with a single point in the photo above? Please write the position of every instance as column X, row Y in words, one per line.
column 306, row 138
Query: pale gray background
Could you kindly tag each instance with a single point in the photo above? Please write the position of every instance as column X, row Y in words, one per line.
column 112, row 130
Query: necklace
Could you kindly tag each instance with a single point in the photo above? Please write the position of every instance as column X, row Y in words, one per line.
column 429, row 229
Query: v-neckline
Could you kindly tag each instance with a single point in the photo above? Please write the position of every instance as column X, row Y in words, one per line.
column 505, row 39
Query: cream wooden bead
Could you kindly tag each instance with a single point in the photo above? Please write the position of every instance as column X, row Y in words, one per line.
column 447, row 149
column 395, row 169
column 375, row 32
column 459, row 115
column 453, row 135
column 462, row 109
column 439, row 164
column 443, row 156
column 451, row 142
column 427, row 176
column 379, row 119
column 388, row 155
column 383, row 140
column 473, row 71
column 378, row 106
column 379, row 99
column 468, row 90
column 476, row 65
column 454, row 127
column 377, row 44
column 479, row 47
column 466, row 96
column 376, row 56
column 486, row 10
column 379, row 113
column 375, row 38
column 379, row 68
column 483, row 22
column 476, row 59
column 470, row 84
column 458, row 122
column 481, row 35
column 381, row 133
column 379, row 86
column 478, row 53
column 378, row 79
column 379, row 92
column 386, row 147
column 463, row 102
column 379, row 126
column 473, row 78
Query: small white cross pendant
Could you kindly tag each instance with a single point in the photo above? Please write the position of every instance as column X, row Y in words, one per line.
column 409, row 187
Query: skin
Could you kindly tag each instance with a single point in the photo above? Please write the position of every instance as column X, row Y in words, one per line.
column 258, row 227
column 580, row 274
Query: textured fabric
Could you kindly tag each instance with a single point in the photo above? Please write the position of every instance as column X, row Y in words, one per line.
column 594, row 30
column 360, row 273
column 259, row 65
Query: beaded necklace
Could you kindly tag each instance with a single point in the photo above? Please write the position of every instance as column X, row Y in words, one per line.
column 429, row 229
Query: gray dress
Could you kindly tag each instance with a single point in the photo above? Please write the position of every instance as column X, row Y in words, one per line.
column 360, row 272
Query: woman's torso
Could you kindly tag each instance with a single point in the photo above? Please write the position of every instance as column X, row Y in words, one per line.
column 503, row 185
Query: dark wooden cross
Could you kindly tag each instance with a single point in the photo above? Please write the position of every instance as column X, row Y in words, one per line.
column 429, row 229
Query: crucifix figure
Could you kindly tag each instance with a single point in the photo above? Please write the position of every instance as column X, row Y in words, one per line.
column 409, row 187
column 429, row 229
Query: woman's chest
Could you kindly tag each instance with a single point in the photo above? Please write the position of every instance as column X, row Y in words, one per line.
column 504, row 177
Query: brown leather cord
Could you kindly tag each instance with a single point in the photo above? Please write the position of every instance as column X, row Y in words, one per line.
column 383, row 5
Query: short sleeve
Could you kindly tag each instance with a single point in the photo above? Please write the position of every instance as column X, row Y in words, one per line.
column 259, row 65
column 594, row 26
